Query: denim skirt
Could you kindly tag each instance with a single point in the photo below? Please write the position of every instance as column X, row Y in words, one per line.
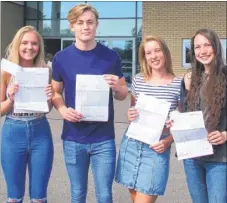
column 141, row 168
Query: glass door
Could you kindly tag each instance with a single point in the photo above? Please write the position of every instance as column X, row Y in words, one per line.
column 126, row 49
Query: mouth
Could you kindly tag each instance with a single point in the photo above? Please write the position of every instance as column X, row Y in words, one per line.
column 205, row 57
column 86, row 33
column 155, row 62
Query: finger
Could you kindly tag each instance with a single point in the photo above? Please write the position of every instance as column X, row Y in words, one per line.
column 156, row 144
column 213, row 133
column 132, row 118
column 158, row 150
column 70, row 119
column 214, row 136
column 160, row 147
column 216, row 141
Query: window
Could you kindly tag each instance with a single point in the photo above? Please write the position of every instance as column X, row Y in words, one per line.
column 186, row 46
column 117, row 9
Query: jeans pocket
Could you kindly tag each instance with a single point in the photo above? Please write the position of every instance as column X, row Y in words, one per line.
column 69, row 152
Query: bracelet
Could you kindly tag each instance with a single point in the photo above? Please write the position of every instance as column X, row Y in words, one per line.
column 10, row 99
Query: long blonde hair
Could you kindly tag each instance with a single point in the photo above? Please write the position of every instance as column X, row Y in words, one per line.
column 143, row 63
column 12, row 51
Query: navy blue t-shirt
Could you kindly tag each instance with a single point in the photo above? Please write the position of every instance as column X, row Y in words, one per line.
column 98, row 61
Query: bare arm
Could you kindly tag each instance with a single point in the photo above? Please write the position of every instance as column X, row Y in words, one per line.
column 121, row 92
column 6, row 103
column 57, row 99
column 67, row 113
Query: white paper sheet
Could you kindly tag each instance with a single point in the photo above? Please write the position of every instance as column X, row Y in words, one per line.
column 32, row 81
column 10, row 67
column 190, row 135
column 149, row 125
column 31, row 96
column 92, row 97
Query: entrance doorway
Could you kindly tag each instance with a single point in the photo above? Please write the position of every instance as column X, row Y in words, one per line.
column 125, row 47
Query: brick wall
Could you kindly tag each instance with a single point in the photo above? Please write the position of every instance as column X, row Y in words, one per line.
column 174, row 21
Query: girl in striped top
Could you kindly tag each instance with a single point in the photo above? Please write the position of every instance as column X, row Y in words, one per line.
column 144, row 169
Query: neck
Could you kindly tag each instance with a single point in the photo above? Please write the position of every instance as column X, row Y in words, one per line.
column 159, row 74
column 25, row 63
column 207, row 69
column 85, row 46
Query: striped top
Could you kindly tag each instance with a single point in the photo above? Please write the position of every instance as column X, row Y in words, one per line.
column 169, row 92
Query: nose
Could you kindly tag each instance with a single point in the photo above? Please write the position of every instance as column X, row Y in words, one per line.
column 203, row 50
column 153, row 55
column 85, row 26
column 29, row 46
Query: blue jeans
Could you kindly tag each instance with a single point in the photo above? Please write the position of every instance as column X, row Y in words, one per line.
column 207, row 181
column 102, row 156
column 26, row 143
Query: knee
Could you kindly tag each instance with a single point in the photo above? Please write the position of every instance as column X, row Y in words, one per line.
column 78, row 196
column 10, row 200
column 43, row 200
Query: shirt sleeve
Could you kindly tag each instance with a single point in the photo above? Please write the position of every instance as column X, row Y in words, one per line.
column 133, row 87
column 118, row 67
column 56, row 70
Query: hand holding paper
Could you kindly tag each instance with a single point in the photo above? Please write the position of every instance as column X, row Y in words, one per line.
column 31, row 96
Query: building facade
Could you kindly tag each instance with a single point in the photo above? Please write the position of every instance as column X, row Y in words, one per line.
column 121, row 26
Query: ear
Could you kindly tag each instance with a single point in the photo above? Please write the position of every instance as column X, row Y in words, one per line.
column 97, row 23
column 71, row 27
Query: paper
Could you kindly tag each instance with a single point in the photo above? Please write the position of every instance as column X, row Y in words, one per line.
column 92, row 97
column 190, row 135
column 10, row 67
column 32, row 81
column 149, row 125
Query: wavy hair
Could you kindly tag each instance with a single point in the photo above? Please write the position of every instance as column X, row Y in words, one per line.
column 145, row 69
column 214, row 91
column 12, row 51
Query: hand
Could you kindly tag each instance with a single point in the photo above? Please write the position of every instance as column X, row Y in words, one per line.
column 12, row 91
column 161, row 146
column 70, row 114
column 112, row 81
column 132, row 114
column 49, row 92
column 217, row 137
column 169, row 123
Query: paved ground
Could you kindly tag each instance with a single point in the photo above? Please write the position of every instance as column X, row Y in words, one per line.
column 59, row 189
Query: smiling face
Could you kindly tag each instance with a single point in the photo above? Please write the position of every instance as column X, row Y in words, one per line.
column 85, row 27
column 154, row 55
column 203, row 49
column 29, row 47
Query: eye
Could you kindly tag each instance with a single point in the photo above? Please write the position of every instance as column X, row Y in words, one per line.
column 35, row 43
column 196, row 47
column 157, row 50
column 79, row 23
column 207, row 45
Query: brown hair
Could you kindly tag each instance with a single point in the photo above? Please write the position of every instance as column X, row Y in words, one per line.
column 78, row 10
column 214, row 91
column 143, row 63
